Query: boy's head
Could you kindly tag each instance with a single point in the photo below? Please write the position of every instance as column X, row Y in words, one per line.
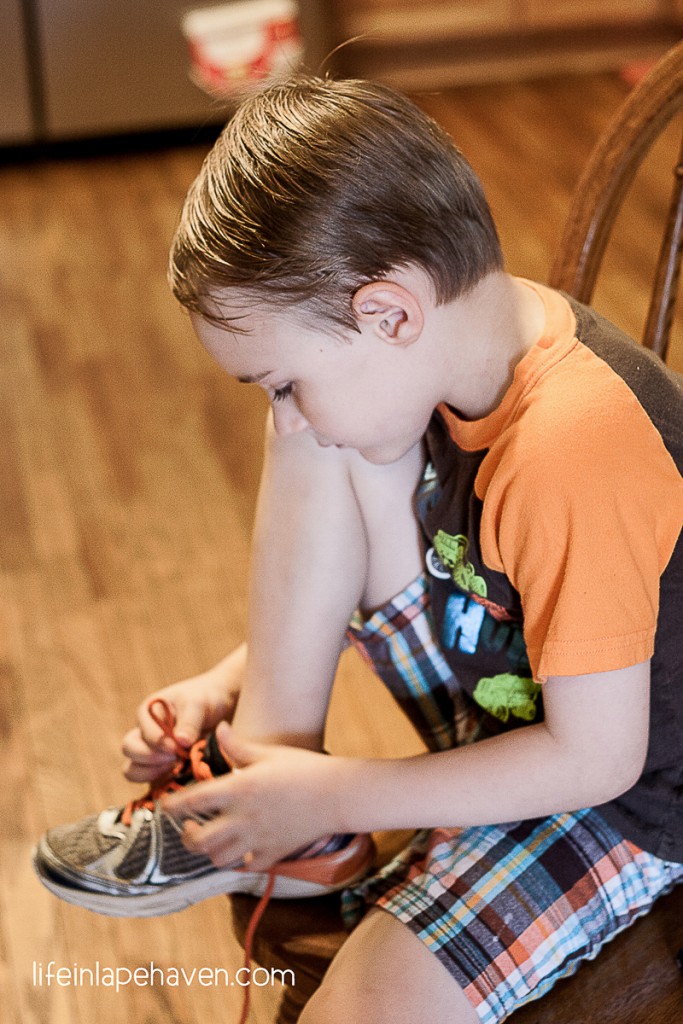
column 317, row 187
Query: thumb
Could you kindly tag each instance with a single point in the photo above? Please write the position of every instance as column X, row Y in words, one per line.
column 237, row 751
column 189, row 725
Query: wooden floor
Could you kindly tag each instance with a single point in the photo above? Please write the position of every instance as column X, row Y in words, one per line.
column 129, row 469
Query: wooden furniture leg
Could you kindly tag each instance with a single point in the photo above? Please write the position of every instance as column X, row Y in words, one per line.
column 298, row 936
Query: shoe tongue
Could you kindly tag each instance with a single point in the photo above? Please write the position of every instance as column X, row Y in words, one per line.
column 213, row 757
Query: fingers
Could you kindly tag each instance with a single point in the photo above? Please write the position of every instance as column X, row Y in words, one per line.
column 137, row 748
column 201, row 798
column 144, row 763
column 217, row 840
column 148, row 749
column 221, row 838
column 225, row 844
column 188, row 721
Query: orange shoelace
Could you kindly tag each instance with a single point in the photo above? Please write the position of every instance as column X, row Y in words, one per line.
column 257, row 914
column 187, row 759
column 192, row 758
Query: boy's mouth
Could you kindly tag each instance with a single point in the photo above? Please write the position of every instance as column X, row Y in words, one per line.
column 330, row 444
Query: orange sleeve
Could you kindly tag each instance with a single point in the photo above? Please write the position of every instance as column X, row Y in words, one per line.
column 583, row 507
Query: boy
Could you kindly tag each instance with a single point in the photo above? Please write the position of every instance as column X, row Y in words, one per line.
column 491, row 474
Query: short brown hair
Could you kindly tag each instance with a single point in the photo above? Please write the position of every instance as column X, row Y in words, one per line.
column 316, row 187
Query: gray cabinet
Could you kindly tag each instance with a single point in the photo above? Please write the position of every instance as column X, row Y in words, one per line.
column 16, row 114
column 79, row 68
column 115, row 66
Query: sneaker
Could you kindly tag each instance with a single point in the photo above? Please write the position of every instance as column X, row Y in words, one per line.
column 131, row 862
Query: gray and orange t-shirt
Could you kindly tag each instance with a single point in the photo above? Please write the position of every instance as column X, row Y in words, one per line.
column 553, row 529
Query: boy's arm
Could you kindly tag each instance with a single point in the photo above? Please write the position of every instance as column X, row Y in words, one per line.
column 590, row 748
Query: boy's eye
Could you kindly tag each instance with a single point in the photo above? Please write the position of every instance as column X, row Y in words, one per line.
column 283, row 392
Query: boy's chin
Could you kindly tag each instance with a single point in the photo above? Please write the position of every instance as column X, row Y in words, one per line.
column 385, row 456
column 381, row 455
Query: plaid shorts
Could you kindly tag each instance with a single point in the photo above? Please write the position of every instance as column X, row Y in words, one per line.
column 509, row 909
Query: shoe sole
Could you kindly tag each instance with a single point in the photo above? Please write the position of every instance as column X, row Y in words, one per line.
column 171, row 899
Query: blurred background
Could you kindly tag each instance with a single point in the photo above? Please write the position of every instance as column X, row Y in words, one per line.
column 73, row 69
column 129, row 464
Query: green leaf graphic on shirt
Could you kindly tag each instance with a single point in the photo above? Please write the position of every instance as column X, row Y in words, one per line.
column 453, row 553
column 506, row 695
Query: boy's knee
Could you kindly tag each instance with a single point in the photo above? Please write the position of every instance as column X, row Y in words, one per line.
column 300, row 448
column 383, row 974
column 335, row 1004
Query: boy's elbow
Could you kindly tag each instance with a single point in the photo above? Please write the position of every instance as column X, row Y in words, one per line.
column 602, row 771
column 619, row 776
column 635, row 770
column 601, row 721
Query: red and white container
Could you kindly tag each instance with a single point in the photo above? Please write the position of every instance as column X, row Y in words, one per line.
column 237, row 43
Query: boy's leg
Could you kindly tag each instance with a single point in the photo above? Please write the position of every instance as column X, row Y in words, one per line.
column 383, row 973
column 506, row 911
column 332, row 532
column 385, row 496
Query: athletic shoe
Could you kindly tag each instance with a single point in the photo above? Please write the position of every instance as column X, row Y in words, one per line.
column 131, row 862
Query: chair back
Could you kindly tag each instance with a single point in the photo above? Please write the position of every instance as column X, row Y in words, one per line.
column 603, row 186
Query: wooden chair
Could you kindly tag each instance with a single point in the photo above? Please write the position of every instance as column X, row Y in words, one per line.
column 636, row 978
column 611, row 168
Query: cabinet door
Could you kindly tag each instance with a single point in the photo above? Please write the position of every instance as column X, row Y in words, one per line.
column 411, row 20
column 116, row 65
column 586, row 12
column 15, row 103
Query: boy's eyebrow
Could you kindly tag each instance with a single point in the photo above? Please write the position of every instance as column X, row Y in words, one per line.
column 255, row 378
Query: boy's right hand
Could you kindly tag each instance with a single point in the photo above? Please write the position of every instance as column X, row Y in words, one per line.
column 198, row 705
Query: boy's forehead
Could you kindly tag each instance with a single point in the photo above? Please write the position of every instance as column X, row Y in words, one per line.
column 238, row 332
column 246, row 322
column 253, row 344
column 226, row 307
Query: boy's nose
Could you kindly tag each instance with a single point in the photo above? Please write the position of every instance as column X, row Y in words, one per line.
column 287, row 419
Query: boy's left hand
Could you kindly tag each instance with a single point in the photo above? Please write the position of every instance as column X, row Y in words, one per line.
column 281, row 799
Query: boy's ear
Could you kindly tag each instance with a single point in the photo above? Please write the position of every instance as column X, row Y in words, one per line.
column 394, row 313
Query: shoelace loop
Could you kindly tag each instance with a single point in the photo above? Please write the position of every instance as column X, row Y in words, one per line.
column 166, row 722
column 186, row 758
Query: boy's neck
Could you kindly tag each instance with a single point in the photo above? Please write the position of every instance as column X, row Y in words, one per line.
column 493, row 327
